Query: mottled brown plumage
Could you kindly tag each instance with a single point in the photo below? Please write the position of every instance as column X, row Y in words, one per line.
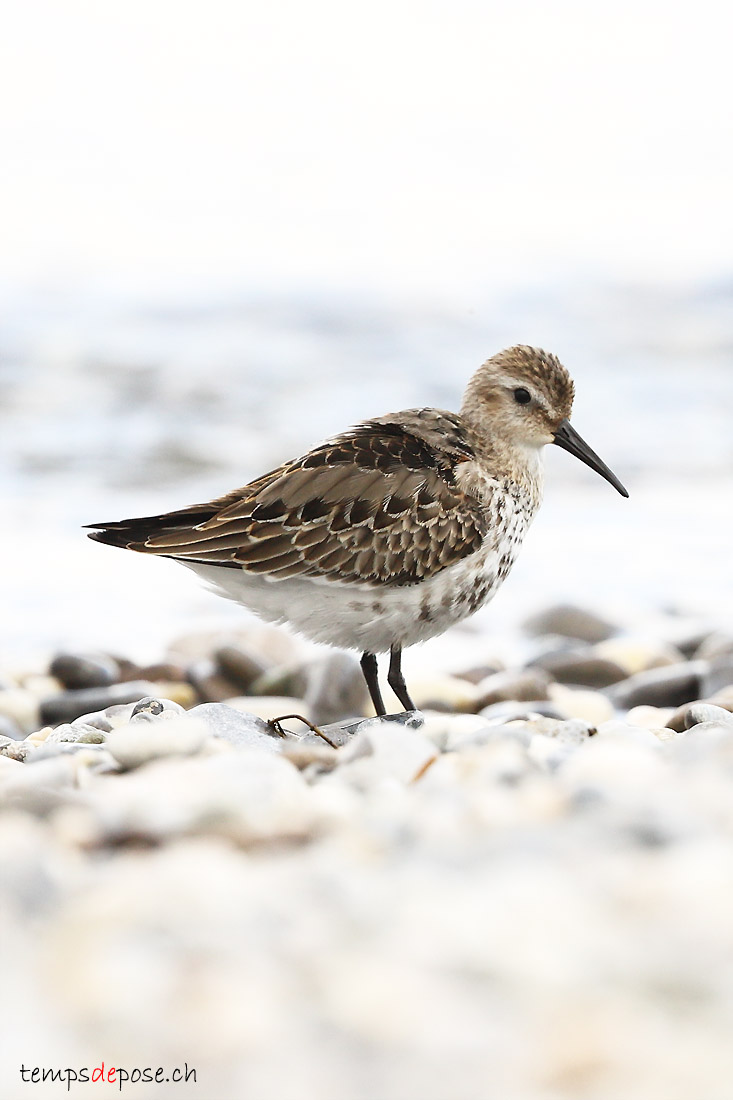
column 379, row 503
column 387, row 533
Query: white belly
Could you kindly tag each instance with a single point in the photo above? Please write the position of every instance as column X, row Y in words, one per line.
column 375, row 617
column 364, row 617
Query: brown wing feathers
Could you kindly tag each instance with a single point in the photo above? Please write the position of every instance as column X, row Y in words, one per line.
column 375, row 504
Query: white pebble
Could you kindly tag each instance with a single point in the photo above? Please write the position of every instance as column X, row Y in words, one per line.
column 139, row 742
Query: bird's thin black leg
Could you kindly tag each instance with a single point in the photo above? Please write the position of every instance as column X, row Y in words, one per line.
column 371, row 675
column 396, row 680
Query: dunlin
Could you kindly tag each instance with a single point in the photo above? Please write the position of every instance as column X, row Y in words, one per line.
column 389, row 533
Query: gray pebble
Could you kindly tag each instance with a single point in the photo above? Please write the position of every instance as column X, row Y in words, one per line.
column 671, row 686
column 719, row 674
column 141, row 742
column 698, row 713
column 77, row 671
column 335, row 688
column 691, row 643
column 678, row 721
column 244, row 731
column 340, row 733
column 81, row 733
column 14, row 749
column 46, row 751
column 705, row 742
column 153, row 710
column 71, row 704
column 571, row 731
column 717, row 644
column 580, row 666
column 10, row 729
column 572, row 622
column 383, row 748
column 524, row 712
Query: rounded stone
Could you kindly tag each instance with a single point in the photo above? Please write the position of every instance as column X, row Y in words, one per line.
column 443, row 693
column 78, row 670
column 448, row 731
column 719, row 675
column 22, row 708
column 181, row 693
column 141, row 742
column 210, row 684
column 150, row 706
column 238, row 728
column 10, row 729
column 590, row 706
column 660, row 687
column 290, row 680
column 80, row 733
column 573, row 731
column 385, row 749
column 155, row 710
column 571, row 622
column 269, row 707
column 71, row 704
column 42, row 685
column 335, row 688
column 239, row 664
column 525, row 712
column 698, row 713
column 580, row 666
column 651, row 718
column 16, row 750
column 723, row 698
column 717, row 644
column 481, row 672
column 519, row 685
column 638, row 654
column 160, row 672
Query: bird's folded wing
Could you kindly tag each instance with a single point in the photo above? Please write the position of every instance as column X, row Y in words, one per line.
column 377, row 504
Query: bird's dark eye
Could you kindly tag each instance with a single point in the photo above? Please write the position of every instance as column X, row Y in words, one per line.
column 522, row 396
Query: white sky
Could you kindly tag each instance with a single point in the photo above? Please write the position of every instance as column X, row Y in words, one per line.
column 399, row 144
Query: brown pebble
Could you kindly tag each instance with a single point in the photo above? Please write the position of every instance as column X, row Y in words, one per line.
column 77, row 670
column 580, row 666
column 239, row 664
column 209, row 684
column 480, row 672
column 164, row 670
column 519, row 685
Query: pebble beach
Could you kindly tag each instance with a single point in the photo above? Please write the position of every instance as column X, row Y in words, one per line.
column 229, row 233
column 521, row 890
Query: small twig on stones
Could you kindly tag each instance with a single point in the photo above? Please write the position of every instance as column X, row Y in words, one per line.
column 276, row 725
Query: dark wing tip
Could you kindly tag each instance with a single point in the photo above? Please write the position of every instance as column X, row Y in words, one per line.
column 111, row 534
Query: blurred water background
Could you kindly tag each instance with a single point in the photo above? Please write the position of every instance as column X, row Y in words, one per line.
column 228, row 233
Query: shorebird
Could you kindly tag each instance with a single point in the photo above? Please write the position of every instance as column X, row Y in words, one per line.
column 391, row 532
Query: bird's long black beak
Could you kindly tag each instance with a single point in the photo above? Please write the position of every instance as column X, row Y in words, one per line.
column 567, row 438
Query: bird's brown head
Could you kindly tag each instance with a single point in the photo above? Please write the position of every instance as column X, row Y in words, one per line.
column 522, row 398
column 522, row 394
